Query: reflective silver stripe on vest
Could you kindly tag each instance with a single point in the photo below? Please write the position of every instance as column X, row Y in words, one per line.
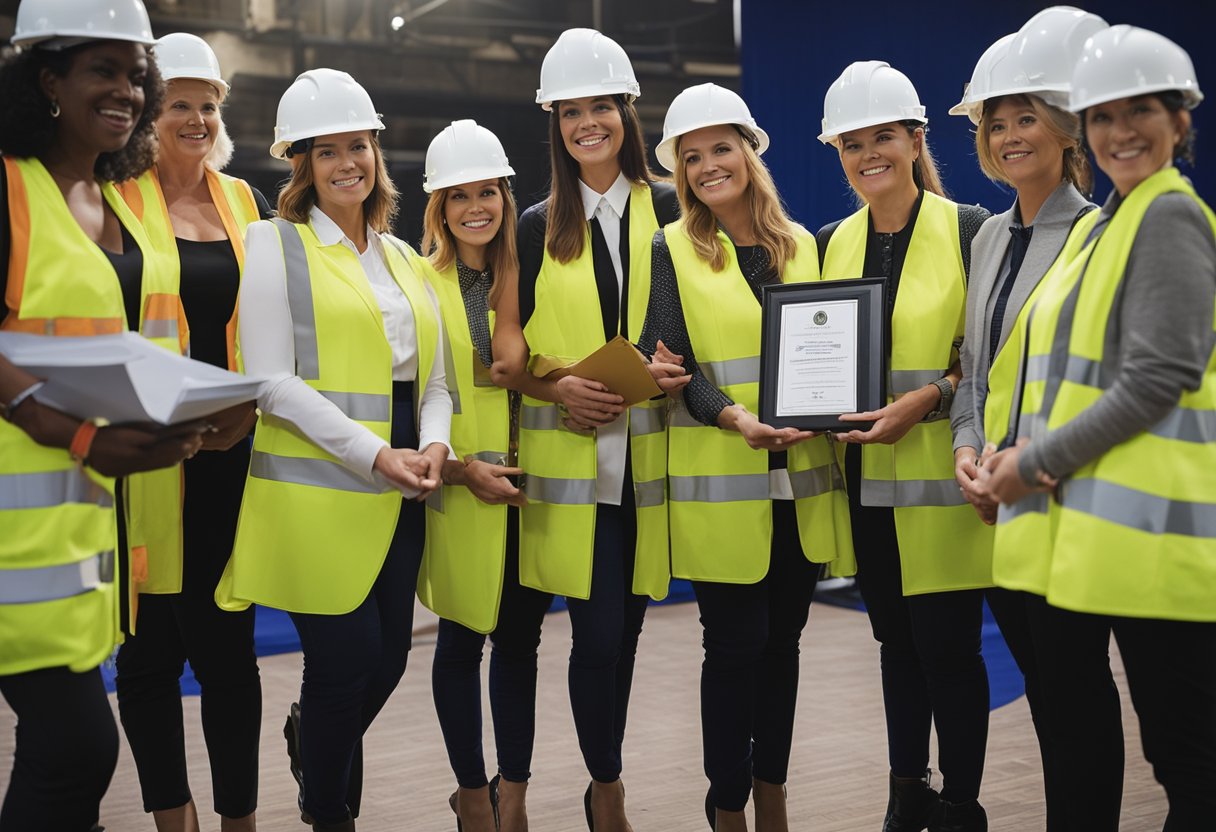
column 649, row 493
column 1036, row 368
column 732, row 371
column 905, row 381
column 46, row 489
column 815, row 481
column 362, row 407
column 1085, row 371
column 299, row 300
column 302, row 471
column 681, row 418
column 1137, row 509
column 1035, row 503
column 911, row 493
column 724, row 488
column 51, row 583
column 157, row 328
column 645, row 420
column 492, row 457
column 449, row 372
column 1187, row 425
column 539, row 417
column 567, row 492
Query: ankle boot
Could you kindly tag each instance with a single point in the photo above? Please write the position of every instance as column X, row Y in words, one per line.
column 959, row 817
column 911, row 804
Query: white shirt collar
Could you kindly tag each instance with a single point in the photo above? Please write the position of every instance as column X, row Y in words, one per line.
column 617, row 196
column 329, row 233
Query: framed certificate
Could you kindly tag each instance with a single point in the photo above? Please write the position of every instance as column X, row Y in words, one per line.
column 822, row 353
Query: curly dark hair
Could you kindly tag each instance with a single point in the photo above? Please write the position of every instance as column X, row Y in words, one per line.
column 27, row 127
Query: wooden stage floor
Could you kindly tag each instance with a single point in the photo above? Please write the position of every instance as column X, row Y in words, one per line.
column 837, row 777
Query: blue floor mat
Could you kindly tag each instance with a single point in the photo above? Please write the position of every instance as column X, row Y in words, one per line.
column 274, row 633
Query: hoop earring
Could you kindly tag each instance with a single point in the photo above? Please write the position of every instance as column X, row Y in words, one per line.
column 54, row 108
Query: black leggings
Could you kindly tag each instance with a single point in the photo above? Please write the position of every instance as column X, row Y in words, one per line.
column 67, row 747
column 1074, row 704
column 219, row 646
column 456, row 679
column 749, row 679
column 605, row 630
column 932, row 671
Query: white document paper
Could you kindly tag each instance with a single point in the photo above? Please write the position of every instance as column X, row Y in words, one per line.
column 125, row 378
column 817, row 365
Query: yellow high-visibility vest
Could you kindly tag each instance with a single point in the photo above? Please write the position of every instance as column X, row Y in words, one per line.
column 466, row 539
column 1134, row 531
column 59, row 603
column 557, row 530
column 943, row 545
column 720, row 509
column 155, row 498
column 312, row 535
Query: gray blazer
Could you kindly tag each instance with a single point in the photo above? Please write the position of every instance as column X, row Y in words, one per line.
column 988, row 251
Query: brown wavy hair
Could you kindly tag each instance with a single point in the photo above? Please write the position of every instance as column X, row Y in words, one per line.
column 439, row 244
column 771, row 225
column 299, row 195
column 566, row 225
column 1061, row 125
column 27, row 129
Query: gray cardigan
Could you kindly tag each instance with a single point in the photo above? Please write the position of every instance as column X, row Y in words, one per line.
column 989, row 253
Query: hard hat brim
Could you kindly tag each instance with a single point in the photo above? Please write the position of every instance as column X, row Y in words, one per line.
column 665, row 152
column 1192, row 96
column 830, row 138
column 465, row 177
column 547, row 99
column 27, row 40
column 219, row 83
column 1052, row 96
column 279, row 149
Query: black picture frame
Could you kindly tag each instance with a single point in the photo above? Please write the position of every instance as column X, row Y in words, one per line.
column 871, row 351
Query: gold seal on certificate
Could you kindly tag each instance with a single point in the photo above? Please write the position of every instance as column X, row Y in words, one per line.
column 821, row 353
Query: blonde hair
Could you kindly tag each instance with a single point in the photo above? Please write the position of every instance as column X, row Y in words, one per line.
column 924, row 169
column 299, row 195
column 439, row 243
column 771, row 225
column 221, row 151
column 1061, row 125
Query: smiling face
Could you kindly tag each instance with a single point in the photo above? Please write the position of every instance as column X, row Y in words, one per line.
column 473, row 212
column 1022, row 145
column 101, row 97
column 878, row 160
column 714, row 165
column 591, row 129
column 1133, row 138
column 190, row 121
column 343, row 169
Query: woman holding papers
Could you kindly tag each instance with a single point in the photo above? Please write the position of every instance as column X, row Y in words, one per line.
column 595, row 526
column 754, row 510
column 470, row 569
column 923, row 557
column 1109, row 491
column 78, row 116
column 1026, row 140
column 197, row 216
column 348, row 336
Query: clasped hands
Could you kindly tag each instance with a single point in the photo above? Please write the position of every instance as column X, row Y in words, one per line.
column 989, row 479
column 416, row 473
column 591, row 404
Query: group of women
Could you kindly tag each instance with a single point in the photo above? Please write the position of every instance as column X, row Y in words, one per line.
column 409, row 435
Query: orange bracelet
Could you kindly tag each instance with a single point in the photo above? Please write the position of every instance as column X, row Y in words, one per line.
column 82, row 442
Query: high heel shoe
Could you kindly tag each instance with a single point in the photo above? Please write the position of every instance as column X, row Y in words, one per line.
column 291, row 733
column 492, row 788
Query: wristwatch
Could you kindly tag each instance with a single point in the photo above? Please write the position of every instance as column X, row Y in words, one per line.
column 943, row 407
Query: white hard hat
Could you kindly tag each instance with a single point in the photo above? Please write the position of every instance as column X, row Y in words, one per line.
column 61, row 24
column 868, row 93
column 1124, row 61
column 464, row 152
column 585, row 63
column 320, row 102
column 182, row 55
column 704, row 106
column 1038, row 59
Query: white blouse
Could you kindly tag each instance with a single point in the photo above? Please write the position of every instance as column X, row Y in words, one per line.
column 268, row 348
